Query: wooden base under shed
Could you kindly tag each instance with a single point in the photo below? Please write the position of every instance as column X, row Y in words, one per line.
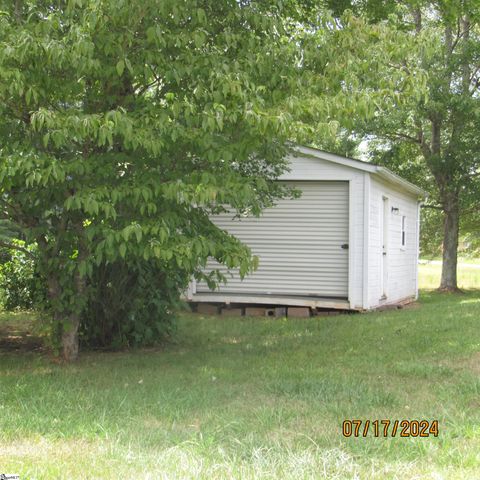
column 270, row 306
column 273, row 311
column 271, row 301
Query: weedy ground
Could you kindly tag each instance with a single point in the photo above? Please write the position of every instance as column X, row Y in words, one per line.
column 252, row 398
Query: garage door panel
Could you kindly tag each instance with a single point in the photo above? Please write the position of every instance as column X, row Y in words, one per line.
column 298, row 243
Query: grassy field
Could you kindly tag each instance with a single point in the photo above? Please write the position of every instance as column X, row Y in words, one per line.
column 468, row 275
column 252, row 398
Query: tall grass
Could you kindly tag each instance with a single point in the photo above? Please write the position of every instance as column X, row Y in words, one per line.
column 253, row 398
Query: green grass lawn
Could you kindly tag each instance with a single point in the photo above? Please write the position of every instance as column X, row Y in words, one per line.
column 252, row 398
column 468, row 276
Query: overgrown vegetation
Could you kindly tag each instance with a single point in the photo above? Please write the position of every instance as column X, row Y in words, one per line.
column 20, row 287
column 131, row 304
column 127, row 303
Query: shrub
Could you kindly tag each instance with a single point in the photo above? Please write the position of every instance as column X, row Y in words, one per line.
column 127, row 303
column 130, row 304
column 20, row 286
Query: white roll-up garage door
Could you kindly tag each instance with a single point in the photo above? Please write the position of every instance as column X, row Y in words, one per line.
column 302, row 245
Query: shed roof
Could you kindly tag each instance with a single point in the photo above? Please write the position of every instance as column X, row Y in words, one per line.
column 378, row 170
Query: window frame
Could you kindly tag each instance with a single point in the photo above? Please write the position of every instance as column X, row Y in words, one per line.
column 403, row 232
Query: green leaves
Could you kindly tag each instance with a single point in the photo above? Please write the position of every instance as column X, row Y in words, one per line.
column 121, row 64
column 120, row 67
column 124, row 125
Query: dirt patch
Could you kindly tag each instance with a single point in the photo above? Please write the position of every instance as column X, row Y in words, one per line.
column 15, row 338
column 411, row 306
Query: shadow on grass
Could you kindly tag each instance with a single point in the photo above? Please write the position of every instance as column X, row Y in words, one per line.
column 18, row 333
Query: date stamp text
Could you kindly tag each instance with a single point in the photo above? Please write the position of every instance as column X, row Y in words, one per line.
column 390, row 428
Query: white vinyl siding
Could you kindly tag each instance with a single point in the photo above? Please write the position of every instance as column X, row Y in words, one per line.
column 401, row 260
column 298, row 242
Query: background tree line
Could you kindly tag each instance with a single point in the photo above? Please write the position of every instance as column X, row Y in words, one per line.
column 433, row 140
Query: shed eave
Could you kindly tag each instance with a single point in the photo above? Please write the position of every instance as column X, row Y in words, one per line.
column 378, row 170
column 391, row 177
column 334, row 158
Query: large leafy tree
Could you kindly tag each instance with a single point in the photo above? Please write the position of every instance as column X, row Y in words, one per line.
column 124, row 124
column 433, row 139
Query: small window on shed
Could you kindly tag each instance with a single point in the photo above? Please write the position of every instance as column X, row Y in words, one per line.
column 404, row 232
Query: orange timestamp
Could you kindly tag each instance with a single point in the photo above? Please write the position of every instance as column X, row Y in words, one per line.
column 390, row 428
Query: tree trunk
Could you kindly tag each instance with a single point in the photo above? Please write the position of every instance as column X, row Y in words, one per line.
column 70, row 330
column 70, row 338
column 68, row 322
column 450, row 244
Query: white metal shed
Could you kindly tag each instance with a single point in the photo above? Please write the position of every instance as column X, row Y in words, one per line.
column 349, row 242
